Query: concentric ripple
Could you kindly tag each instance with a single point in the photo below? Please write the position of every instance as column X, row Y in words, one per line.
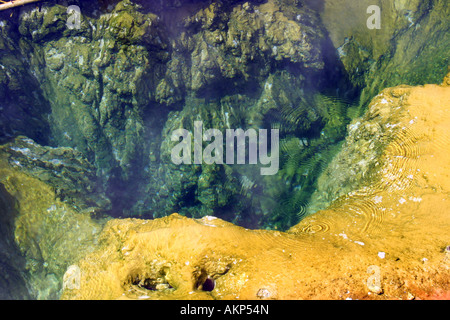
column 316, row 227
column 404, row 156
column 365, row 212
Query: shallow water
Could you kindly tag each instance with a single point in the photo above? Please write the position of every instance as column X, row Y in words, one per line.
column 100, row 110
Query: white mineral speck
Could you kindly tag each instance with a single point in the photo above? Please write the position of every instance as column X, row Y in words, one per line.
column 343, row 235
column 377, row 199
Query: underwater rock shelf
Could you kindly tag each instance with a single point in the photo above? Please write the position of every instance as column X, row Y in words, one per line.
column 92, row 93
column 386, row 240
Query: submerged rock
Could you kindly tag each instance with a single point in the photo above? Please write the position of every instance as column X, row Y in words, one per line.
column 410, row 47
column 23, row 108
column 112, row 83
column 66, row 170
column 332, row 254
column 116, row 85
column 49, row 221
column 107, row 96
column 13, row 283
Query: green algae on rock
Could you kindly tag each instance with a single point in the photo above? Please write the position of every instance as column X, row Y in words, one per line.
column 115, row 87
column 13, row 283
column 23, row 109
column 397, row 223
column 98, row 104
column 411, row 47
column 49, row 233
column 64, row 169
column 112, row 83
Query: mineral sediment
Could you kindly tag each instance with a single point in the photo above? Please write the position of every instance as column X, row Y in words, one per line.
column 45, row 227
column 86, row 117
column 397, row 53
column 386, row 239
column 116, row 87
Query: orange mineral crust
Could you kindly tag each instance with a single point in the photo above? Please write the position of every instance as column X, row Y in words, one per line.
column 387, row 238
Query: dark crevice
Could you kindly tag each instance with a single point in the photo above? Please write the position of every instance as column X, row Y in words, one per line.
column 12, row 263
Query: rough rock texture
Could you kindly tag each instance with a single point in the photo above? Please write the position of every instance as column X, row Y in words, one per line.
column 64, row 169
column 357, row 166
column 44, row 233
column 411, row 47
column 386, row 240
column 134, row 70
column 235, row 54
column 13, row 281
column 115, row 88
column 23, row 109
column 98, row 79
column 107, row 96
